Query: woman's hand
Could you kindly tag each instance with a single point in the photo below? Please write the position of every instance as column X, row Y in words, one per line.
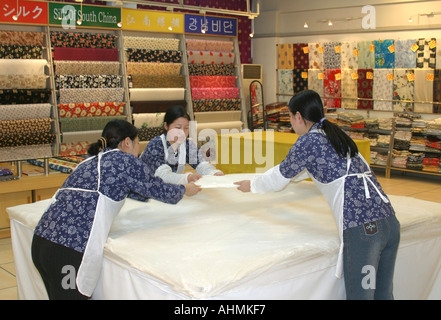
column 191, row 189
column 193, row 177
column 219, row 174
column 244, row 185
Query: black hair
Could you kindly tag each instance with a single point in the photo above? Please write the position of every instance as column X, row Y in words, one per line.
column 310, row 106
column 175, row 112
column 114, row 132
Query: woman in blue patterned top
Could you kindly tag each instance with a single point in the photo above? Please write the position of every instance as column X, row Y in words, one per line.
column 69, row 239
column 167, row 154
column 368, row 229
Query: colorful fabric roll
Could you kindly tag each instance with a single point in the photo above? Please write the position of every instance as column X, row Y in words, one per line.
column 216, row 105
column 154, row 68
column 25, row 96
column 22, row 66
column 87, row 123
column 285, row 81
column 11, row 127
column 144, row 55
column 426, row 53
column 85, row 54
column 86, row 67
column 14, row 51
column 384, row 54
column 366, row 54
column 83, row 40
column 25, row 111
column 23, row 81
column 78, row 148
column 348, row 89
column 195, row 69
column 88, row 81
column 25, row 139
column 285, row 56
column 210, row 57
column 405, row 56
column 332, row 88
column 349, row 55
column 147, row 134
column 365, row 88
column 97, row 109
column 383, row 89
column 55, row 164
column 300, row 80
column 22, row 38
column 332, row 55
column 151, row 43
column 404, row 89
column 155, row 106
column 25, row 152
column 214, row 93
column 316, row 59
column 301, row 55
column 156, row 81
column 212, row 81
column 150, row 120
column 210, row 45
column 91, row 95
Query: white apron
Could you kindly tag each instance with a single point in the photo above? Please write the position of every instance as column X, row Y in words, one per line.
column 106, row 210
column 182, row 154
column 334, row 194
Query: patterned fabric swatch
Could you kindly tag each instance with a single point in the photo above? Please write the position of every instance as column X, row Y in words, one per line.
column 301, row 55
column 91, row 95
column 83, row 40
column 214, row 93
column 332, row 88
column 54, row 165
column 147, row 134
column 26, row 139
column 437, row 91
column 85, row 54
column 210, row 45
column 22, row 66
column 14, row 51
column 384, row 54
column 156, row 106
column 426, row 54
column 86, row 123
column 424, row 90
column 142, row 120
column 195, row 69
column 216, row 105
column 151, row 43
column 383, row 89
column 88, row 81
column 405, row 57
column 366, row 54
column 11, row 127
column 315, row 81
column 155, row 81
column 300, row 80
column 25, row 152
column 25, row 111
column 349, row 55
column 154, row 68
column 157, row 94
column 97, row 109
column 285, row 81
column 285, row 56
column 403, row 89
column 23, row 81
column 210, row 57
column 212, row 81
column 72, row 148
column 316, row 55
column 23, row 38
column 86, row 67
column 348, row 89
column 365, row 88
column 71, row 138
column 144, row 55
column 332, row 56
column 25, row 96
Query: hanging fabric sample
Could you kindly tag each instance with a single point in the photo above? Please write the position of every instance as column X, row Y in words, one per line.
column 285, row 56
column 437, row 91
column 384, row 54
column 316, row 52
column 300, row 80
column 405, row 53
column 426, row 54
column 285, row 82
column 301, row 56
column 366, row 54
column 404, row 80
column 316, row 81
column 349, row 55
column 349, row 88
column 365, row 88
column 332, row 55
column 424, row 79
column 383, row 89
column 332, row 88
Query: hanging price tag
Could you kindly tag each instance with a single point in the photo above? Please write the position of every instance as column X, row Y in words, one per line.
column 369, row 75
column 390, row 76
column 430, row 77
column 391, row 48
column 354, row 75
column 338, row 76
column 411, row 77
column 321, row 49
column 432, row 44
column 305, row 50
column 338, row 49
column 321, row 76
column 415, row 47
column 356, row 52
column 372, row 48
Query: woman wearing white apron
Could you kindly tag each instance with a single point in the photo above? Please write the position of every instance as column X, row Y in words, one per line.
column 167, row 154
column 368, row 229
column 69, row 239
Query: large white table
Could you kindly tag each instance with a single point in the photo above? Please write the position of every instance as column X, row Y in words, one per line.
column 225, row 244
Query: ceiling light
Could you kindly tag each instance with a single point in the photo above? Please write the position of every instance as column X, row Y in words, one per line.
column 305, row 25
column 329, row 23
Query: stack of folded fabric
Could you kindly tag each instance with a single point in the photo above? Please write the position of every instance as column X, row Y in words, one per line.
column 383, row 140
column 434, row 127
column 417, row 144
column 415, row 161
column 399, row 158
column 402, row 140
column 403, row 123
column 6, row 174
column 346, row 119
column 371, row 124
column 385, row 124
column 381, row 159
column 431, row 162
column 419, row 126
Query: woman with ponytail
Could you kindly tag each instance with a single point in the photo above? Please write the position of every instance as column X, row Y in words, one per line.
column 368, row 229
column 70, row 236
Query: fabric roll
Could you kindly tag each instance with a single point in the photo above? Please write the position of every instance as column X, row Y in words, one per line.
column 86, row 124
column 88, row 81
column 285, row 81
column 285, row 56
column 332, row 55
column 210, row 57
column 97, row 109
column 25, row 96
column 25, row 111
column 155, row 106
column 141, row 120
column 151, row 43
column 86, row 67
column 316, row 80
column 405, row 53
column 83, row 40
column 25, row 139
column 22, row 38
column 220, row 45
column 316, row 53
column 25, row 152
column 195, row 69
column 196, row 44
column 155, row 94
column 300, row 80
column 91, row 95
column 220, row 116
column 365, row 88
column 212, row 81
column 384, row 54
column 14, row 51
column 54, row 165
column 437, row 91
column 216, row 105
column 426, row 53
column 22, row 66
column 23, row 81
column 156, row 81
column 85, row 54
column 154, row 68
column 147, row 134
column 27, row 126
column 383, row 89
column 76, row 148
column 301, row 55
column 75, row 137
column 349, row 89
column 366, row 54
column 424, row 90
column 214, row 93
column 219, row 126
column 349, row 55
column 144, row 55
column 332, row 88
column 404, row 89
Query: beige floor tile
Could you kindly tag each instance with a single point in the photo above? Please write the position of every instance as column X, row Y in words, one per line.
column 9, row 294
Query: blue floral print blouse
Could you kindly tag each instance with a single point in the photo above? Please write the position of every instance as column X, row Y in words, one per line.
column 314, row 152
column 69, row 219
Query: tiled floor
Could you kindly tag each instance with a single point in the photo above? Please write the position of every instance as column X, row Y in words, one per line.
column 419, row 186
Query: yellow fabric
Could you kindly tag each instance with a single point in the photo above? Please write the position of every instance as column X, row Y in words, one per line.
column 253, row 152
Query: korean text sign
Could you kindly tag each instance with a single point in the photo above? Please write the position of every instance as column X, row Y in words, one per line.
column 218, row 26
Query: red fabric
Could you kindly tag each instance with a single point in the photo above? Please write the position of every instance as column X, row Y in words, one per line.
column 212, row 81
column 85, row 54
column 332, row 88
column 364, row 89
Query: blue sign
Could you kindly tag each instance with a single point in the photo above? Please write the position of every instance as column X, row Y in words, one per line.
column 218, row 26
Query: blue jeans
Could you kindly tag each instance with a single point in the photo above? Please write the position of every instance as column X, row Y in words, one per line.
column 370, row 251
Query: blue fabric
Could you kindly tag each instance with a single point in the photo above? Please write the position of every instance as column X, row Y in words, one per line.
column 383, row 57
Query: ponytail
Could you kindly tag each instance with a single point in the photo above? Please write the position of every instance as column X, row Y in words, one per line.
column 310, row 106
